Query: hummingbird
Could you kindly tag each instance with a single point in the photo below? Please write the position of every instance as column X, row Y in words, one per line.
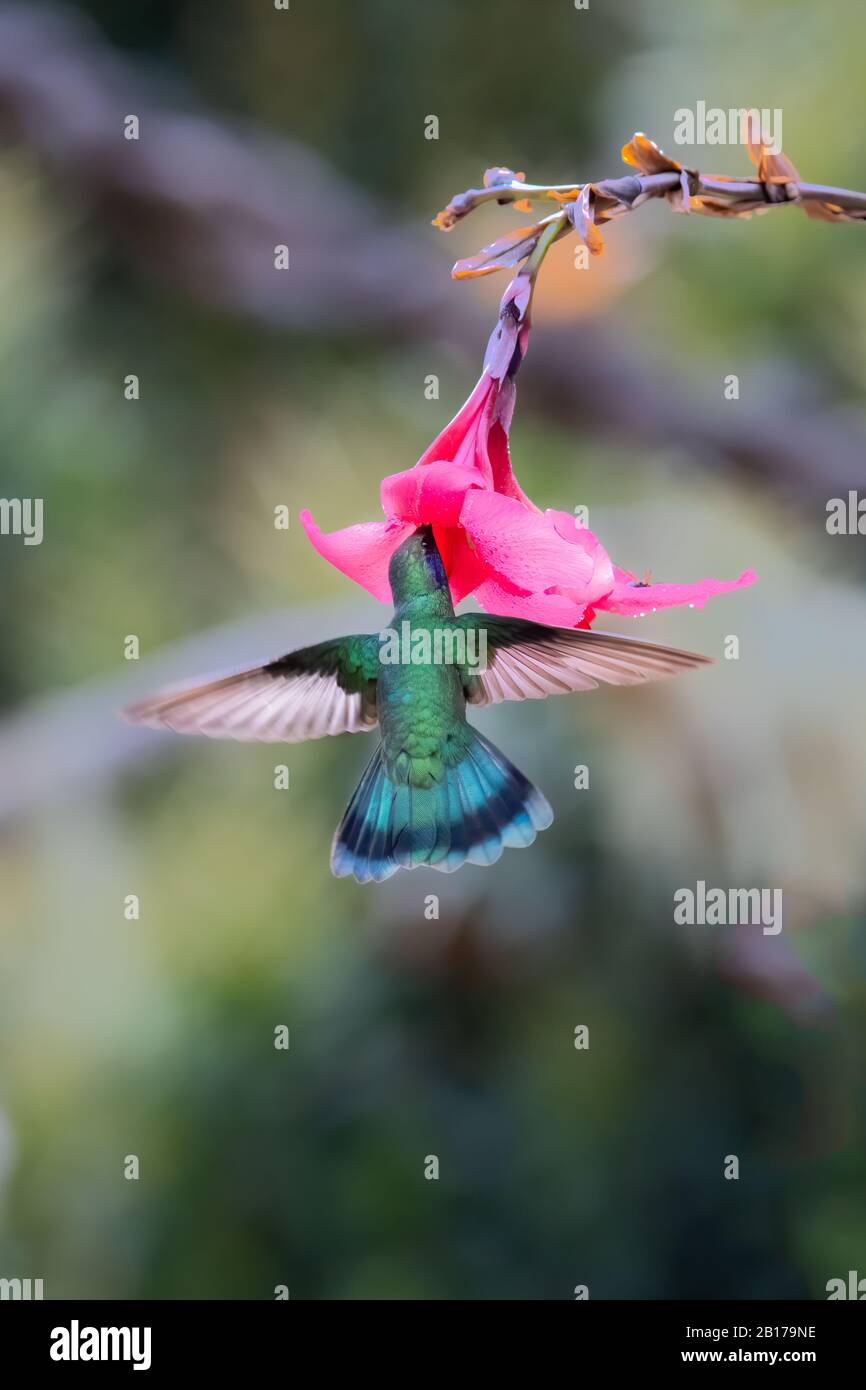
column 435, row 792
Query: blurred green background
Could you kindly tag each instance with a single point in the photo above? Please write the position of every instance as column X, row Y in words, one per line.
column 412, row 1037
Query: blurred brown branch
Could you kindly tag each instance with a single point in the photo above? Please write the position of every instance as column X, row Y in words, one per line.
column 201, row 205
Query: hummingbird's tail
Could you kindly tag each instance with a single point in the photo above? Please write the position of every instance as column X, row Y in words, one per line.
column 481, row 806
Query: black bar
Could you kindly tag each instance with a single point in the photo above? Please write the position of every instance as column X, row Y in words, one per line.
column 227, row 1337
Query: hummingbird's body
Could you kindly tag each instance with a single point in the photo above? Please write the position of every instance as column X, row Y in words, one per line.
column 421, row 705
column 435, row 792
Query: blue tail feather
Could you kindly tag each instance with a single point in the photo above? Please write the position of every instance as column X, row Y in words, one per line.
column 482, row 806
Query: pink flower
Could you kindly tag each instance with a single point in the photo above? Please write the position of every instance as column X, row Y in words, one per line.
column 494, row 541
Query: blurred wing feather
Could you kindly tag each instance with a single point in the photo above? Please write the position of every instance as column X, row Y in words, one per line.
column 527, row 661
column 321, row 690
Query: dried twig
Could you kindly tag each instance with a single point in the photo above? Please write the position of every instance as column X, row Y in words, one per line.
column 583, row 208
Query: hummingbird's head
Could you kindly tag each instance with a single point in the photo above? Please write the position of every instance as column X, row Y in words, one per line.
column 416, row 566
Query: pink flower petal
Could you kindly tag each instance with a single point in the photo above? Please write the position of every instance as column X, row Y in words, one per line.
column 603, row 573
column 632, row 599
column 501, row 473
column 432, row 495
column 493, row 539
column 554, row 609
column 447, row 444
column 465, row 569
column 362, row 552
column 477, row 438
column 528, row 550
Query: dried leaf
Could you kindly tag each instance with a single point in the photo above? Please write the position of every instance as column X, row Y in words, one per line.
column 508, row 251
column 457, row 208
column 772, row 167
column 644, row 154
column 711, row 207
column 464, row 203
column 612, row 197
column 500, row 175
column 832, row 212
column 679, row 197
column 778, row 168
column 581, row 214
column 567, row 195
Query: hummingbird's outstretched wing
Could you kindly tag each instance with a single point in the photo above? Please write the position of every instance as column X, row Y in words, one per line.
column 326, row 689
column 528, row 661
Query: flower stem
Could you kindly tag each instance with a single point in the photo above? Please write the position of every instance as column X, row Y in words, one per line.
column 554, row 227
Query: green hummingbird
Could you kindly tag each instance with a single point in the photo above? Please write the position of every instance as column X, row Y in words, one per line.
column 436, row 792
